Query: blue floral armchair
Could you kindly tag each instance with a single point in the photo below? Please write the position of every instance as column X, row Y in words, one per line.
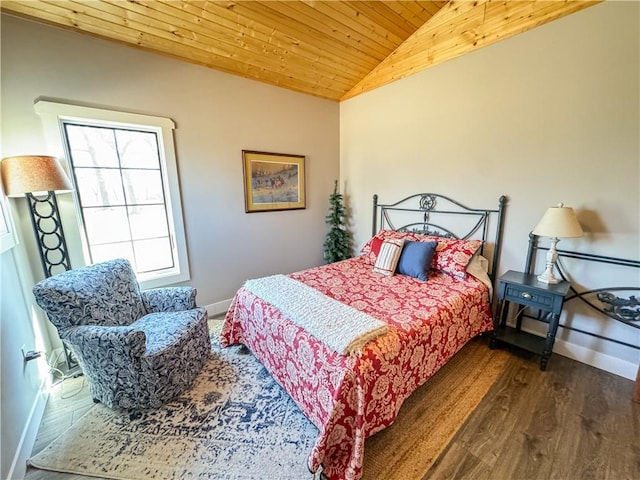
column 138, row 349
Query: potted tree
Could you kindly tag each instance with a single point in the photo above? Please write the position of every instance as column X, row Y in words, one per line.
column 337, row 245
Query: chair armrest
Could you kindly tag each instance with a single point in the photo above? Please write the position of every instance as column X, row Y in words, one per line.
column 169, row 299
column 115, row 340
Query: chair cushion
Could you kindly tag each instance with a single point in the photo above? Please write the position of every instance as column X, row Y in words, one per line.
column 164, row 329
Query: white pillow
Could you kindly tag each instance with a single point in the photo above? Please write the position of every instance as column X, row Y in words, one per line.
column 387, row 259
column 478, row 267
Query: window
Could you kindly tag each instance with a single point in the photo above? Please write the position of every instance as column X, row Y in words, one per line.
column 126, row 191
column 7, row 235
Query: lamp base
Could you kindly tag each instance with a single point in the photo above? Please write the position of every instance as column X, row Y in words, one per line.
column 552, row 255
column 47, row 226
column 544, row 278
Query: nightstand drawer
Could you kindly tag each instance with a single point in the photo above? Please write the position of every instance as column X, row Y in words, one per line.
column 531, row 298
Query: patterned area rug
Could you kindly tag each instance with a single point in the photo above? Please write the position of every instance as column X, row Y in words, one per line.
column 237, row 423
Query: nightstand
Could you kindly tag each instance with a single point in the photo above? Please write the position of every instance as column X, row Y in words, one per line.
column 525, row 290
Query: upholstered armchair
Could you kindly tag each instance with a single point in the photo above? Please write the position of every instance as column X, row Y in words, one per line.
column 137, row 349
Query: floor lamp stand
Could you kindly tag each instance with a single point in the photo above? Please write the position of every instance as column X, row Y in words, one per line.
column 52, row 246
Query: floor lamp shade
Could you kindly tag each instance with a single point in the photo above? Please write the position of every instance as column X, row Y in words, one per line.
column 38, row 177
column 557, row 222
column 32, row 174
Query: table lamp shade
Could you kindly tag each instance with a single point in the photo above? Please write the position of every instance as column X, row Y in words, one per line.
column 559, row 222
column 31, row 173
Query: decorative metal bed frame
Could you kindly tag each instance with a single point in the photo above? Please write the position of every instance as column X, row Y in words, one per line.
column 610, row 305
column 431, row 214
column 623, row 310
column 600, row 300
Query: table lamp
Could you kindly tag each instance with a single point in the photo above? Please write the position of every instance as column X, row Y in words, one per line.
column 557, row 222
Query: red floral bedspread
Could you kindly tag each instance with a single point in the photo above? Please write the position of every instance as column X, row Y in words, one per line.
column 352, row 397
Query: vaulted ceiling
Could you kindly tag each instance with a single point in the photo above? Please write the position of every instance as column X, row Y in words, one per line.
column 330, row 49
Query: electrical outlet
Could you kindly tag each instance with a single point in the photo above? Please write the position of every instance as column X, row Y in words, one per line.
column 27, row 356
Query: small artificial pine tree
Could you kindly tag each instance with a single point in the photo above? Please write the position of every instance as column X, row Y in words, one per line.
column 337, row 245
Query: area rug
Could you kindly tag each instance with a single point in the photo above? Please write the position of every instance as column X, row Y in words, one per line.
column 432, row 415
column 237, row 423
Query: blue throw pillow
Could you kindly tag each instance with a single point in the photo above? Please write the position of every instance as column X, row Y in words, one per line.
column 416, row 258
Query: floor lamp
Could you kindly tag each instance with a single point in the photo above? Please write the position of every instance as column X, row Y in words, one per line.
column 38, row 178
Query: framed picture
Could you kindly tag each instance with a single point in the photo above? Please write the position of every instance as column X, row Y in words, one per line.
column 273, row 181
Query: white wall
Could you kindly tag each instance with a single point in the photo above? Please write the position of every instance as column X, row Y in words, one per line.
column 217, row 116
column 548, row 116
column 19, row 383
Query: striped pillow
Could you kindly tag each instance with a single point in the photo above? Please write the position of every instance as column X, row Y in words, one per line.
column 387, row 259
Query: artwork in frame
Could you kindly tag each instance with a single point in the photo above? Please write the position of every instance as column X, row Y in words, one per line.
column 273, row 181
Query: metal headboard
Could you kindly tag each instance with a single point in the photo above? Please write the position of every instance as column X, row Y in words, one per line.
column 425, row 213
column 601, row 300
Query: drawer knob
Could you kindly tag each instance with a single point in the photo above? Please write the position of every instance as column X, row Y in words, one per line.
column 526, row 295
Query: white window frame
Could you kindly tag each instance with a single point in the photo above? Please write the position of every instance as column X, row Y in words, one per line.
column 53, row 114
column 8, row 238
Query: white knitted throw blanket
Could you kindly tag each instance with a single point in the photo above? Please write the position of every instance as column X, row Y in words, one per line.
column 339, row 326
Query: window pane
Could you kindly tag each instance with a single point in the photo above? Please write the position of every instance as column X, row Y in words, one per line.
column 99, row 187
column 102, row 253
column 92, row 146
column 148, row 221
column 143, row 186
column 153, row 254
column 121, row 164
column 138, row 149
column 106, row 225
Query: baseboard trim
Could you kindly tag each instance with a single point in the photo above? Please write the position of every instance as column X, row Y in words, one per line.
column 217, row 308
column 598, row 360
column 28, row 438
column 601, row 361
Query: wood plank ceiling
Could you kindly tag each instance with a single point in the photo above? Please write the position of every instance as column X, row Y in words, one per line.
column 331, row 49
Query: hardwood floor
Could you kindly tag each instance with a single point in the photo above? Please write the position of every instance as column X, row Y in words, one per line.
column 570, row 422
column 68, row 401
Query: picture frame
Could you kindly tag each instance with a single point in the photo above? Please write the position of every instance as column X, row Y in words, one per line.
column 273, row 181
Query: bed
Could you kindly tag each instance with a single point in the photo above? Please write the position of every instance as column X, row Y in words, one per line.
column 352, row 394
